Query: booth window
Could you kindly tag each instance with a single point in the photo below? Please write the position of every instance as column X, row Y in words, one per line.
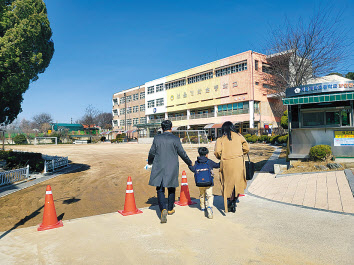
column 332, row 118
column 345, row 117
column 311, row 119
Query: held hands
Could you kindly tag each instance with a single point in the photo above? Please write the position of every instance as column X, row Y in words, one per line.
column 148, row 167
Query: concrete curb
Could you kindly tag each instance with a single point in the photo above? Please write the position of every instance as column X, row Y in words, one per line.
column 350, row 177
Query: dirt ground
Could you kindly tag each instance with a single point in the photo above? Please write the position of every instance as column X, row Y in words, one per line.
column 99, row 185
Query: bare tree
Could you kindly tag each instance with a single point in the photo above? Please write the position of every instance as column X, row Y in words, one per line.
column 90, row 116
column 300, row 51
column 104, row 120
column 26, row 126
column 42, row 121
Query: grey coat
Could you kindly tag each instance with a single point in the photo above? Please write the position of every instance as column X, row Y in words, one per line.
column 163, row 154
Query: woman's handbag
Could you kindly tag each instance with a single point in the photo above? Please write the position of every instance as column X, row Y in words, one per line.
column 249, row 168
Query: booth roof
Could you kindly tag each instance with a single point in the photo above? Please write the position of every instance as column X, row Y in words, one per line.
column 319, row 98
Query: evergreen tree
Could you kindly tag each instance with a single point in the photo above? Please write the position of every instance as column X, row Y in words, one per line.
column 26, row 49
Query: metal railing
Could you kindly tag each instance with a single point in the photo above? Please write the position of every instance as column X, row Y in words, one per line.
column 201, row 115
column 179, row 118
column 12, row 176
column 233, row 112
column 52, row 165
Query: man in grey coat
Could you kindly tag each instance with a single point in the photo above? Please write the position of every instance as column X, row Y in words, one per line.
column 163, row 154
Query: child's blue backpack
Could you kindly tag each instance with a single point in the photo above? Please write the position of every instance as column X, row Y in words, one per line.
column 203, row 175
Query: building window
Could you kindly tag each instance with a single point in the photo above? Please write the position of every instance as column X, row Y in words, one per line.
column 135, row 108
column 115, row 101
column 142, row 95
column 115, row 112
column 173, row 84
column 142, row 119
column 122, row 111
column 159, row 102
column 129, row 121
column 142, row 107
column 257, row 83
column 256, row 65
column 151, row 103
column 231, row 69
column 115, row 123
column 159, row 88
column 266, row 86
column 122, row 100
column 200, row 77
column 136, row 96
column 129, row 98
column 135, row 121
column 266, row 69
column 122, row 122
column 129, row 110
column 151, row 89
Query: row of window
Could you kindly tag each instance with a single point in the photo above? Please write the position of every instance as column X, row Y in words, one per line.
column 234, row 106
column 201, row 77
column 159, row 102
column 178, row 83
column 129, row 98
column 231, row 69
column 335, row 118
column 129, row 121
column 129, row 109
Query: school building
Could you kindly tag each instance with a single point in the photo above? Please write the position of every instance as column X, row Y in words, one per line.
column 204, row 97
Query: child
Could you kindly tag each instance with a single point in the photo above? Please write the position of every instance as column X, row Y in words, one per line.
column 203, row 170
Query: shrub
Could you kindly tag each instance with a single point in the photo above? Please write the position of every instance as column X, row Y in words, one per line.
column 103, row 138
column 320, row 152
column 120, row 137
column 113, row 141
column 283, row 139
column 253, row 139
column 263, row 138
column 20, row 139
column 284, row 120
column 274, row 139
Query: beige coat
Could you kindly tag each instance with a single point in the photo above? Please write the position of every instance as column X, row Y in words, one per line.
column 232, row 164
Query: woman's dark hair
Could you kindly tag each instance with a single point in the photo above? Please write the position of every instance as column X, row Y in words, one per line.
column 166, row 125
column 227, row 128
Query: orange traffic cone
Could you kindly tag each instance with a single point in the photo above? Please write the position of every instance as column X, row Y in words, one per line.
column 129, row 205
column 184, row 198
column 50, row 219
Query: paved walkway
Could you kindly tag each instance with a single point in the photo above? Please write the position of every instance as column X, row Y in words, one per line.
column 329, row 190
column 260, row 231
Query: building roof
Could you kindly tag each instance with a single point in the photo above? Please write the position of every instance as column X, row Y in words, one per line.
column 327, row 78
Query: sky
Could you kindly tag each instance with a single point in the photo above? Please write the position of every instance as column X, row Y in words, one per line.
column 103, row 47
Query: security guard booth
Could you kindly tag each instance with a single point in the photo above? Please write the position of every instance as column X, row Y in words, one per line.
column 321, row 114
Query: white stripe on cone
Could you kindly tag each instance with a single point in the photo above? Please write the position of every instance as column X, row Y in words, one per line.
column 48, row 192
column 129, row 183
column 129, row 191
column 184, row 184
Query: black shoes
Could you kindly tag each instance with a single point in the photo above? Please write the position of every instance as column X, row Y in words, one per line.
column 231, row 205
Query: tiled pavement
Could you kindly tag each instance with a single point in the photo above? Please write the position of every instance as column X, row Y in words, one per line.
column 324, row 190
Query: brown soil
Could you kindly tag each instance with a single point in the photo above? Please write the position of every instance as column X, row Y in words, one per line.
column 99, row 186
column 308, row 166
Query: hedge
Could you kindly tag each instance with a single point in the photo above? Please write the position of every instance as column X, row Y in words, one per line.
column 22, row 159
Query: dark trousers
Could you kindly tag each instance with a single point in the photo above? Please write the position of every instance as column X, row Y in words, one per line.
column 162, row 200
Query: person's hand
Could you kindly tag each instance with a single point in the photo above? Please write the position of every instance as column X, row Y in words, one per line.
column 148, row 167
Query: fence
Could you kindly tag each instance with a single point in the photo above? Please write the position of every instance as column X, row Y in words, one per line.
column 13, row 176
column 52, row 165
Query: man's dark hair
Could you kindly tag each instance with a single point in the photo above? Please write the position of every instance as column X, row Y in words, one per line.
column 166, row 125
column 203, row 151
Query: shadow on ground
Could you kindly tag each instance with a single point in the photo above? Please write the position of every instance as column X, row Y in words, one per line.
column 23, row 221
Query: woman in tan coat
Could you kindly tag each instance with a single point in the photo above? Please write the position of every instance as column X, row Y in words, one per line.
column 230, row 149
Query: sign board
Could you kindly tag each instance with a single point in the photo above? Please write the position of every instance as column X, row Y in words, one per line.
column 343, row 138
column 49, row 131
column 320, row 88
